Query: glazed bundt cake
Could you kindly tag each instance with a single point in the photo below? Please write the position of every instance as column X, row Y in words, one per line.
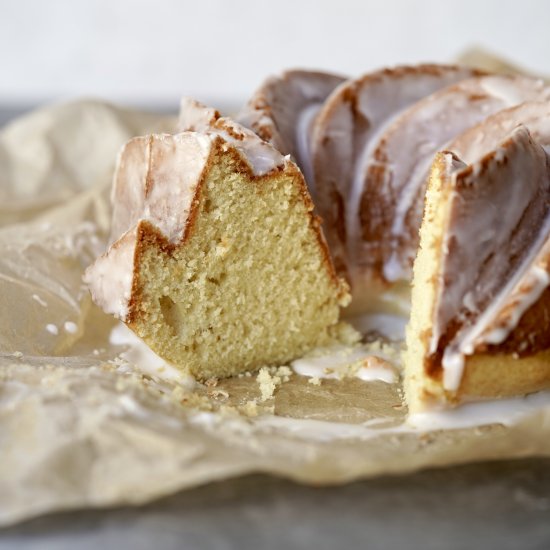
column 479, row 309
column 480, row 315
column 371, row 145
column 216, row 261
column 341, row 122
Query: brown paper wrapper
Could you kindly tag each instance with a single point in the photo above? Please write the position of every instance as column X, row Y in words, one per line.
column 79, row 427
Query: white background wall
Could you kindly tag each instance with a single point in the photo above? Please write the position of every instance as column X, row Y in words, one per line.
column 154, row 51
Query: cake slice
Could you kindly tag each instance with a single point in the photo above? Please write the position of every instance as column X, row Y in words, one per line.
column 480, row 322
column 217, row 261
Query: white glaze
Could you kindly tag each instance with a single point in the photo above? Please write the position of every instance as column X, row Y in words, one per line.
column 303, row 130
column 340, row 362
column 262, row 157
column 141, row 356
column 506, row 90
column 155, row 180
column 52, row 329
column 110, row 277
column 540, row 280
column 499, row 411
column 70, row 327
column 486, row 136
column 388, row 325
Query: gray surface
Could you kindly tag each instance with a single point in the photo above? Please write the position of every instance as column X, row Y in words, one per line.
column 9, row 112
column 491, row 506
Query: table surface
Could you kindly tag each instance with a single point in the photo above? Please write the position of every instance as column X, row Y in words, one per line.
column 499, row 505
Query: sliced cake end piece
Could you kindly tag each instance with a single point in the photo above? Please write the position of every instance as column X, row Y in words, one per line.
column 480, row 322
column 220, row 265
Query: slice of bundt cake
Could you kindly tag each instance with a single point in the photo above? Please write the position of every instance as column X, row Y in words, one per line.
column 217, row 260
column 480, row 321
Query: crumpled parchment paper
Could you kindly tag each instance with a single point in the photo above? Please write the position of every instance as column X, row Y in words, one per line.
column 82, row 427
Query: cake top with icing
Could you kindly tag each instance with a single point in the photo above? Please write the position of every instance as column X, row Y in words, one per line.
column 260, row 155
column 283, row 109
column 493, row 248
column 344, row 133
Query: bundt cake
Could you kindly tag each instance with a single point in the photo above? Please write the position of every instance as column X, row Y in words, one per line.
column 346, row 133
column 339, row 128
column 480, row 312
column 480, row 317
column 217, row 261
column 371, row 145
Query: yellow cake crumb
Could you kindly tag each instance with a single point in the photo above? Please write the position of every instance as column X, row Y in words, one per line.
column 250, row 408
column 267, row 383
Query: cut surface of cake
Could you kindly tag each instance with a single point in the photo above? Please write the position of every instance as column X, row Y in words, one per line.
column 217, row 261
column 480, row 321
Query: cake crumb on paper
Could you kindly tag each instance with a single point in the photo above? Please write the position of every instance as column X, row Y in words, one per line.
column 269, row 378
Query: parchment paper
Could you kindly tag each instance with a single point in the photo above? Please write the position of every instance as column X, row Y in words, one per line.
column 81, row 427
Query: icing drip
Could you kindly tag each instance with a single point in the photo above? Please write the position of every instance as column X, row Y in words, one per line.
column 485, row 137
column 538, row 281
column 110, row 277
column 345, row 136
column 303, row 130
column 368, row 363
column 408, row 145
column 141, row 356
column 282, row 111
column 262, row 157
column 506, row 412
column 389, row 325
